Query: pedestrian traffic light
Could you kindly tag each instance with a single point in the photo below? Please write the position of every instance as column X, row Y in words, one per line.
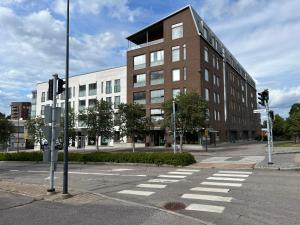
column 60, row 86
column 50, row 89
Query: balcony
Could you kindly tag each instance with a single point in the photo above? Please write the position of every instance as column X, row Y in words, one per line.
column 132, row 46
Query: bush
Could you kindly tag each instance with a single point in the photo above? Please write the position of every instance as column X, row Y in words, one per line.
column 157, row 158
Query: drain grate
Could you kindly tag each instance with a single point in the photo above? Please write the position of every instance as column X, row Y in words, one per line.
column 174, row 206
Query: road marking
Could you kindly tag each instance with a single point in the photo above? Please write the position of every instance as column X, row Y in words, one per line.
column 205, row 208
column 14, row 170
column 215, row 159
column 235, row 172
column 172, row 176
column 187, row 170
column 182, row 173
column 162, row 181
column 119, row 170
column 225, row 178
column 37, row 171
column 160, row 186
column 221, row 190
column 129, row 175
column 230, row 175
column 222, row 184
column 48, row 178
column 207, row 197
column 132, row 192
column 85, row 173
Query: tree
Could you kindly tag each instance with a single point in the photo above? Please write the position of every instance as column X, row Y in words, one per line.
column 279, row 127
column 190, row 114
column 132, row 122
column 34, row 127
column 293, row 125
column 99, row 120
column 295, row 108
column 71, row 126
column 6, row 129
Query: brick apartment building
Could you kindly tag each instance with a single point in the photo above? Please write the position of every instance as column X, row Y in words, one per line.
column 180, row 53
column 20, row 110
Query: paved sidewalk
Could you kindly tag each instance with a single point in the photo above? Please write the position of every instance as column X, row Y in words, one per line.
column 287, row 161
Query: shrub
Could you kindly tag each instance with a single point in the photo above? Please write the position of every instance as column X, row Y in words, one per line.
column 22, row 156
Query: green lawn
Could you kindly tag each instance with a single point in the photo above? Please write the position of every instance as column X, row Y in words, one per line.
column 287, row 144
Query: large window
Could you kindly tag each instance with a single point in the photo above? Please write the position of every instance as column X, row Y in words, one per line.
column 175, row 54
column 175, row 92
column 92, row 103
column 139, row 80
column 92, row 89
column 108, row 100
column 81, row 105
column 206, row 54
column 139, row 97
column 42, row 110
column 177, row 31
column 157, row 58
column 176, row 75
column 157, row 115
column 43, row 97
column 117, row 102
column 205, row 32
column 108, row 88
column 184, row 73
column 117, row 87
column 139, row 62
column 206, row 75
column 82, row 90
column 157, row 77
column 184, row 52
column 206, row 94
column 157, row 96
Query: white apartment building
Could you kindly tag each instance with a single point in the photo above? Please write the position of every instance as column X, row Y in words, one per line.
column 84, row 90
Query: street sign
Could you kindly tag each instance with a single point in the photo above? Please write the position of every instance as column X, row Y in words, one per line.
column 48, row 114
column 47, row 132
column 259, row 110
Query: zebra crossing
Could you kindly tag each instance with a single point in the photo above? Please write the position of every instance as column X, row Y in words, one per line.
column 161, row 182
column 235, row 177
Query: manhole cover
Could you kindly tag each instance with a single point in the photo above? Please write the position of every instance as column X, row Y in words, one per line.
column 174, row 206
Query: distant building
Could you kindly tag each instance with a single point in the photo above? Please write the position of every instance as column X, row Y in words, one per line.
column 18, row 139
column 20, row 110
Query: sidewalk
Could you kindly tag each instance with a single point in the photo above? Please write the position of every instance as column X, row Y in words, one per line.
column 282, row 160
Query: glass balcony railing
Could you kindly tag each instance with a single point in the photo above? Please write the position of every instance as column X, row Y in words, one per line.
column 132, row 46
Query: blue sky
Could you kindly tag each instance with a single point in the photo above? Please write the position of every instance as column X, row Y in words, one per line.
column 262, row 34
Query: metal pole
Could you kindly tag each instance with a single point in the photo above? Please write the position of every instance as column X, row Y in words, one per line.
column 51, row 187
column 18, row 128
column 174, row 127
column 269, row 135
column 66, row 122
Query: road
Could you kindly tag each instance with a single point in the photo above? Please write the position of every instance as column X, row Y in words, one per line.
column 141, row 195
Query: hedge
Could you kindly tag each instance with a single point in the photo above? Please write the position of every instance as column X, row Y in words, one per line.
column 157, row 158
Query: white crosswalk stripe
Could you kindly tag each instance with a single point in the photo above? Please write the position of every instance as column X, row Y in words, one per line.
column 181, row 173
column 222, row 184
column 159, row 186
column 207, row 197
column 205, row 208
column 215, row 159
column 230, row 175
column 133, row 192
column 172, row 176
column 225, row 178
column 221, row 190
column 235, row 172
column 187, row 170
column 162, row 181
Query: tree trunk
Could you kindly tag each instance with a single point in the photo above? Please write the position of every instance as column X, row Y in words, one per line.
column 180, row 144
column 133, row 145
column 97, row 143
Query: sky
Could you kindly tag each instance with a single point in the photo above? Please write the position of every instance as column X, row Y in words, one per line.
column 263, row 35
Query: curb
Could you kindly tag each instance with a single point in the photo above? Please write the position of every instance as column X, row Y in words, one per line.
column 278, row 168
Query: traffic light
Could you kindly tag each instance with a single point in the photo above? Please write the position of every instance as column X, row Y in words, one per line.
column 271, row 113
column 50, row 89
column 266, row 95
column 263, row 97
column 60, row 86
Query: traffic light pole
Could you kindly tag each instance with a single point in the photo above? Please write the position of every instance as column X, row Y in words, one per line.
column 269, row 135
column 51, row 187
column 174, row 127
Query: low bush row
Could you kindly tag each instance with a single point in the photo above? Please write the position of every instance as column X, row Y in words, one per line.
column 157, row 158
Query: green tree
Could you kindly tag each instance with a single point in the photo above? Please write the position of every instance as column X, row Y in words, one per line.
column 279, row 127
column 132, row 122
column 34, row 127
column 99, row 120
column 6, row 129
column 295, row 108
column 190, row 114
column 293, row 125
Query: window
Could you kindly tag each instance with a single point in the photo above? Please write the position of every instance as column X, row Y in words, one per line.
column 92, row 103
column 43, row 97
column 206, row 94
column 81, row 105
column 157, row 77
column 117, row 102
column 177, row 31
column 219, row 116
column 42, row 109
column 73, row 92
column 139, row 62
column 184, row 52
column 102, row 87
column 206, row 75
column 206, row 54
column 216, row 44
column 157, row 58
column 157, row 96
column 139, row 80
column 214, row 79
column 213, row 41
column 217, row 64
column 176, row 75
column 215, row 97
column 215, row 114
column 156, row 115
column 70, row 92
column 117, row 87
column 82, row 89
column 108, row 100
column 205, row 33
column 184, row 90
column 184, row 73
column 218, row 98
column 218, row 81
column 139, row 97
column 175, row 92
column 214, row 61
column 92, row 89
column 108, row 88
column 175, row 54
